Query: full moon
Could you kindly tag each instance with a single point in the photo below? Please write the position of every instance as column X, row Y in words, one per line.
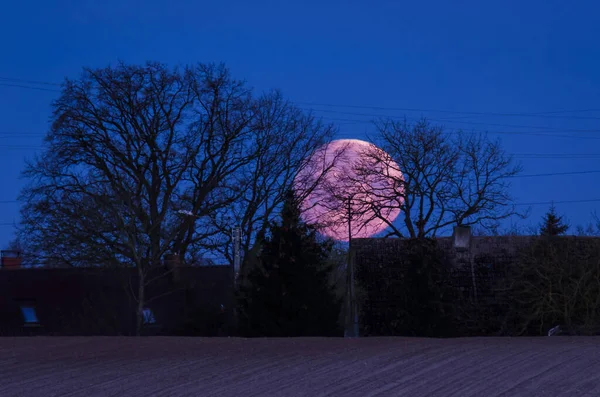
column 355, row 191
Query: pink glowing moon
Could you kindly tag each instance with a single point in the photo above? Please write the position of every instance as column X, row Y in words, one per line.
column 360, row 180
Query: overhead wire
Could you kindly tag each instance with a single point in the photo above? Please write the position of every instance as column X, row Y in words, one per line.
column 4, row 80
column 530, row 114
column 475, row 131
column 559, row 202
column 542, row 114
column 491, row 132
column 397, row 117
column 535, row 203
column 520, row 156
column 28, row 87
column 554, row 174
column 27, row 84
column 37, row 82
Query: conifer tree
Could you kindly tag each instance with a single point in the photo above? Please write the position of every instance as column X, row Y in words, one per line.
column 553, row 224
column 290, row 293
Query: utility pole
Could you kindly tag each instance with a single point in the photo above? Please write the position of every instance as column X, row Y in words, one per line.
column 237, row 255
column 351, row 328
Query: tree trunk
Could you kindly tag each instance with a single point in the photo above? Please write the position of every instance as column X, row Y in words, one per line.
column 140, row 307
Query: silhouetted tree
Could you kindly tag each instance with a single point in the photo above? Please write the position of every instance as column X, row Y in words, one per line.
column 447, row 179
column 284, row 140
column 413, row 300
column 140, row 160
column 556, row 282
column 290, row 292
column 553, row 224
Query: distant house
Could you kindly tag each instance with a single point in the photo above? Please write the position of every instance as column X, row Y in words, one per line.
column 85, row 301
column 383, row 257
column 483, row 255
column 461, row 248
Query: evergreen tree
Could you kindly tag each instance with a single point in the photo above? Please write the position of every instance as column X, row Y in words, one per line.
column 289, row 293
column 553, row 224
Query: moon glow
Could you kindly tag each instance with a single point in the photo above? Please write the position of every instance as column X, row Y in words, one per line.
column 347, row 197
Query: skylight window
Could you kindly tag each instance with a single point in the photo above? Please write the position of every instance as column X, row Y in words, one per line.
column 29, row 315
column 148, row 316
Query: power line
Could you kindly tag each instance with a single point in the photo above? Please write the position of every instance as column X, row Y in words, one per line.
column 538, row 134
column 517, row 157
column 28, row 87
column 21, row 147
column 17, row 134
column 581, row 156
column 560, row 202
column 531, row 156
column 354, row 121
column 533, row 114
column 492, row 132
column 555, row 174
column 11, row 79
column 396, row 117
column 556, row 154
column 518, row 126
column 351, row 121
column 518, row 204
column 545, row 114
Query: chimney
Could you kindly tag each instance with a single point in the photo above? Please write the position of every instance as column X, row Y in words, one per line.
column 10, row 259
column 173, row 263
column 462, row 238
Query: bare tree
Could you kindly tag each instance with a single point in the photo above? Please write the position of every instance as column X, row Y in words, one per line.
column 446, row 179
column 285, row 138
column 556, row 281
column 136, row 157
column 338, row 206
column 591, row 229
column 361, row 197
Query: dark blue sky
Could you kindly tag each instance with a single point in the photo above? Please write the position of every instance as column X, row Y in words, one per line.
column 460, row 56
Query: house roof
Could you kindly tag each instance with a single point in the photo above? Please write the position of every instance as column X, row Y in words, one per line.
column 480, row 245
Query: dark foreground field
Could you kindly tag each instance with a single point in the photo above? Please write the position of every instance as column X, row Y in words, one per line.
column 547, row 366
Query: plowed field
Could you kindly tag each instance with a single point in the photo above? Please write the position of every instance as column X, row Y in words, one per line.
column 156, row 366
